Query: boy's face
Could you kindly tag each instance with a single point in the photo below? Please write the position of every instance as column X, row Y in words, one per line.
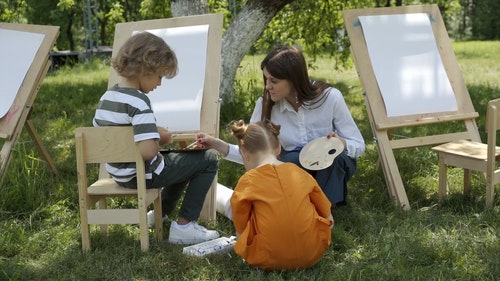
column 149, row 82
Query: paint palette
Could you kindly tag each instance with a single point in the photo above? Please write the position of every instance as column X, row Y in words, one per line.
column 319, row 154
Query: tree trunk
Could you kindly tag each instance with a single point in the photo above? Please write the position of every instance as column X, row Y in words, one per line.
column 69, row 32
column 240, row 35
column 243, row 31
column 188, row 7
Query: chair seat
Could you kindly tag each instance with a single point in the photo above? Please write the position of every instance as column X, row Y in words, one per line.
column 466, row 148
column 109, row 187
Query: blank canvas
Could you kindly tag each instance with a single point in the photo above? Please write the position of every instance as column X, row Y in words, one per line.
column 17, row 52
column 407, row 64
column 177, row 102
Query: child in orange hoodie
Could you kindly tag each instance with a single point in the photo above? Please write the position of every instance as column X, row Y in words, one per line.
column 281, row 215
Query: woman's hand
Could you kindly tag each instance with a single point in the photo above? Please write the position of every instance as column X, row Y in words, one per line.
column 207, row 141
column 335, row 135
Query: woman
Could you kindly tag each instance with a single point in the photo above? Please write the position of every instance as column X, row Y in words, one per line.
column 305, row 110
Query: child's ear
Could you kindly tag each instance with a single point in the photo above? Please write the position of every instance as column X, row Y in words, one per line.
column 277, row 151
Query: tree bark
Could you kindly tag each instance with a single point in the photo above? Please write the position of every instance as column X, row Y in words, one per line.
column 240, row 36
column 188, row 7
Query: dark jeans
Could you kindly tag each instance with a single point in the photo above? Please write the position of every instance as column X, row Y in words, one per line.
column 190, row 171
column 332, row 180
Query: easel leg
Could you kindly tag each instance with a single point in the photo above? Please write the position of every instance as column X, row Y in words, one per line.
column 40, row 146
column 208, row 212
column 5, row 158
column 391, row 171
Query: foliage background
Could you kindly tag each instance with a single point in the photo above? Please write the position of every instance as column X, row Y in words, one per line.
column 314, row 24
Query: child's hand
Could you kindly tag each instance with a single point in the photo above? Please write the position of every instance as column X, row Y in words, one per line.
column 330, row 217
column 165, row 136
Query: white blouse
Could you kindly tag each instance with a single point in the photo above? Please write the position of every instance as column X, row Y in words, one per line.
column 302, row 126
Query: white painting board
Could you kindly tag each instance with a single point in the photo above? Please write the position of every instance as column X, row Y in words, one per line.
column 177, row 102
column 385, row 118
column 407, row 64
column 17, row 52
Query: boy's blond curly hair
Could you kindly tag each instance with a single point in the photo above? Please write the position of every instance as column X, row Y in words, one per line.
column 145, row 54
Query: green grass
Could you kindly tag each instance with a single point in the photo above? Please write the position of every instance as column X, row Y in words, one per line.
column 373, row 239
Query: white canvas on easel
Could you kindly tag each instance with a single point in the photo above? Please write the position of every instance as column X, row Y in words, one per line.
column 24, row 56
column 180, row 98
column 17, row 51
column 407, row 64
column 419, row 36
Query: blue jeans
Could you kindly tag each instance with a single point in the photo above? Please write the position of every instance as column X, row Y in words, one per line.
column 332, row 180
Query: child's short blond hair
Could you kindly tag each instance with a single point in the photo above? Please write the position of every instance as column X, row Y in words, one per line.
column 145, row 54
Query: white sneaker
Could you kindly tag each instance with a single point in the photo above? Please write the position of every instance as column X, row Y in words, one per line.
column 151, row 218
column 192, row 233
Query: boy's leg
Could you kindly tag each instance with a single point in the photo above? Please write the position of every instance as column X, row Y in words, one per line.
column 170, row 196
column 199, row 184
column 194, row 169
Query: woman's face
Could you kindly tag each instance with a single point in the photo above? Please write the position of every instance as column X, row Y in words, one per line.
column 278, row 88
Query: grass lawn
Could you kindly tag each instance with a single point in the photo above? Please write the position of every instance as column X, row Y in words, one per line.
column 373, row 238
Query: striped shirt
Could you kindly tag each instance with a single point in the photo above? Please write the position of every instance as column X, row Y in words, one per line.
column 129, row 107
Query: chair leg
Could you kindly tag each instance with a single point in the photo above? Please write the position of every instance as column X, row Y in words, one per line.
column 442, row 178
column 143, row 230
column 84, row 224
column 158, row 218
column 85, row 230
column 467, row 181
column 103, row 204
column 490, row 188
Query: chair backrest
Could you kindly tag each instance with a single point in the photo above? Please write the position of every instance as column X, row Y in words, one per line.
column 107, row 144
column 113, row 144
column 493, row 115
column 492, row 125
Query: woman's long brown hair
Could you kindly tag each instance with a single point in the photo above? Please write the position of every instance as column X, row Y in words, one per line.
column 288, row 63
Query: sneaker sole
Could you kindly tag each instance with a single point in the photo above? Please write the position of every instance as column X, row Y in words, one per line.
column 188, row 241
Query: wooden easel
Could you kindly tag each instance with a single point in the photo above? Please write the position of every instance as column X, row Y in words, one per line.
column 382, row 125
column 17, row 117
column 210, row 106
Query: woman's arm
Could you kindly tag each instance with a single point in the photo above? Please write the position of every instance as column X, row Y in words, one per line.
column 346, row 127
column 228, row 151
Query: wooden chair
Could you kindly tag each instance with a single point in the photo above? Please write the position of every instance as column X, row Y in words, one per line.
column 475, row 156
column 112, row 145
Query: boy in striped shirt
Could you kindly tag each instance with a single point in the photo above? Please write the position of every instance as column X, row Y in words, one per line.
column 142, row 62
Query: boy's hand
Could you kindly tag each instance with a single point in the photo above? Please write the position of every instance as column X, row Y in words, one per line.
column 165, row 136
